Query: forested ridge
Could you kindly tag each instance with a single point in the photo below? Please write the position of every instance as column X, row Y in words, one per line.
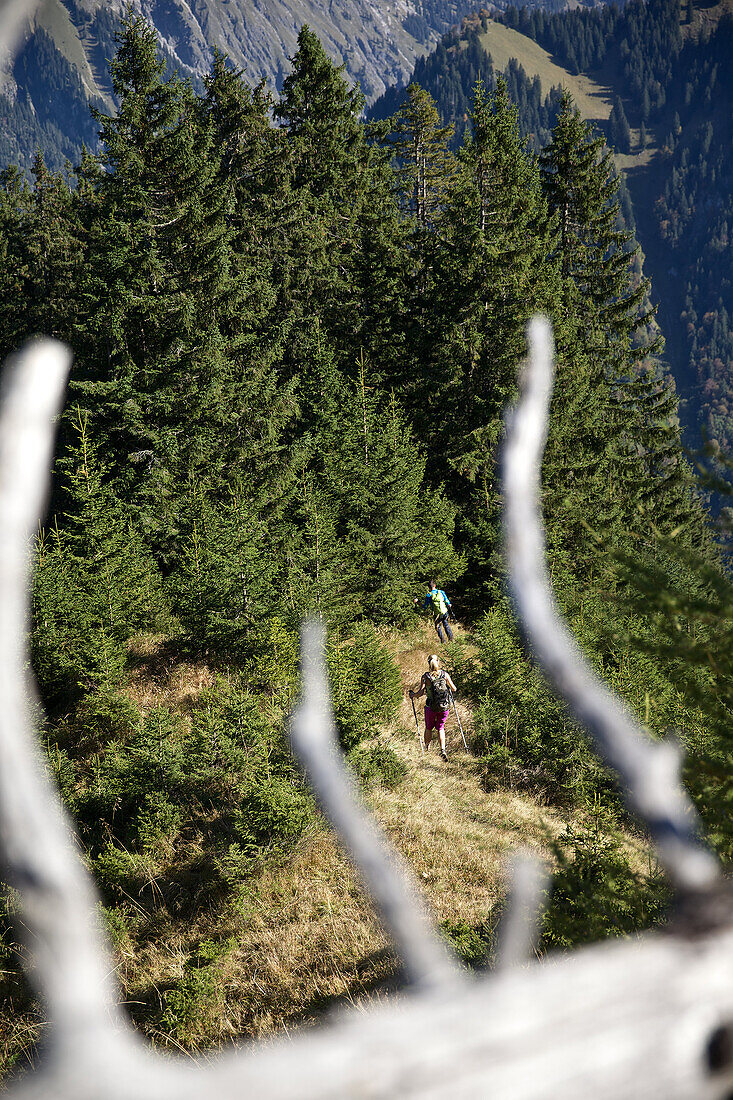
column 295, row 337
column 669, row 69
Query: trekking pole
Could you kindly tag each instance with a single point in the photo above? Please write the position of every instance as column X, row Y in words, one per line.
column 457, row 718
column 417, row 725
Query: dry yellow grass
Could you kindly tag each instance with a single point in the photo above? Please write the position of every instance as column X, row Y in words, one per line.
column 158, row 678
column 592, row 97
column 295, row 939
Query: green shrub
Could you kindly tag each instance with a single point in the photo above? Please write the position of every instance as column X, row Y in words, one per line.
column 471, row 943
column 595, row 892
column 366, row 686
column 272, row 662
column 377, row 765
column 158, row 823
column 521, row 730
column 275, row 810
column 189, row 1007
column 115, row 867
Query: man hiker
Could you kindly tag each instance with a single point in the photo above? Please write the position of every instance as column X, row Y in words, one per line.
column 439, row 604
column 436, row 685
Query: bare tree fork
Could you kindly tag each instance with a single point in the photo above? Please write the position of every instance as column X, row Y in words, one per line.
column 390, row 884
column 12, row 15
column 519, row 928
column 648, row 769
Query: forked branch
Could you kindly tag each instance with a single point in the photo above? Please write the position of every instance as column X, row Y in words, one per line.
column 648, row 769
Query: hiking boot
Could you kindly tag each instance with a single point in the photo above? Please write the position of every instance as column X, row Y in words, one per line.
column 444, row 754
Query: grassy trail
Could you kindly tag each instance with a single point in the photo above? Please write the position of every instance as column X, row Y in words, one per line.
column 307, row 938
column 455, row 834
column 299, row 938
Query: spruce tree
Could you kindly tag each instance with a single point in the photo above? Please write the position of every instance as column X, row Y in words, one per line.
column 173, row 317
column 396, row 532
column 322, row 155
column 594, row 252
column 15, row 204
column 490, row 275
column 227, row 573
column 342, row 246
column 40, row 238
column 248, row 165
column 619, row 129
column 424, row 168
column 95, row 581
column 425, row 164
column 493, row 272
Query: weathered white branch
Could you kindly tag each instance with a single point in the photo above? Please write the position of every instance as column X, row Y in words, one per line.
column 648, row 769
column 628, row 1020
column 58, row 902
column 390, row 884
column 518, row 930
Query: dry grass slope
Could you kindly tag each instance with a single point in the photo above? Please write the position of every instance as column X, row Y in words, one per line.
column 301, row 937
column 592, row 94
column 592, row 98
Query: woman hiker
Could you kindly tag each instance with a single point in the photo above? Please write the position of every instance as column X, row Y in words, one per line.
column 436, row 685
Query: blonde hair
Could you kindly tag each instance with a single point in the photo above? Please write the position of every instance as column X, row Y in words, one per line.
column 433, row 664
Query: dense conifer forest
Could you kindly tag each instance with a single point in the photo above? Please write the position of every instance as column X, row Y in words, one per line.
column 295, row 337
column 670, row 71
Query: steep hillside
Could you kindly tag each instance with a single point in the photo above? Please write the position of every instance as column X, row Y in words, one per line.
column 376, row 42
column 62, row 65
column 285, row 941
column 484, row 45
column 655, row 79
column 504, row 44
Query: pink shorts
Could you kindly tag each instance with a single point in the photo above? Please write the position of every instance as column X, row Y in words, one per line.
column 435, row 719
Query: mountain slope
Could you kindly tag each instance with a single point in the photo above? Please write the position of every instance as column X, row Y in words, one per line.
column 655, row 80
column 62, row 64
column 376, row 42
column 503, row 43
column 297, row 936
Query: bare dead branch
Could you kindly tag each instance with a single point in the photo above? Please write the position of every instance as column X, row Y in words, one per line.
column 58, row 903
column 648, row 769
column 390, row 884
column 520, row 923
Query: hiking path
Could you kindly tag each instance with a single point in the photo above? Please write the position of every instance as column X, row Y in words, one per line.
column 454, row 829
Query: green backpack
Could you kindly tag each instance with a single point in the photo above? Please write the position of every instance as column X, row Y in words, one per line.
column 438, row 603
